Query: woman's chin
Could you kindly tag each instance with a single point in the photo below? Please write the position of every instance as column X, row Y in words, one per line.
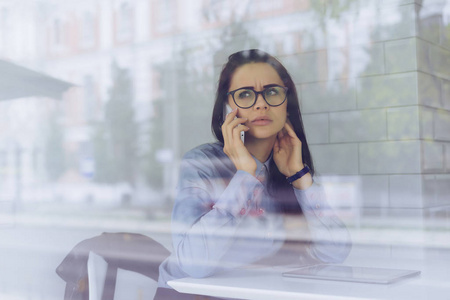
column 260, row 135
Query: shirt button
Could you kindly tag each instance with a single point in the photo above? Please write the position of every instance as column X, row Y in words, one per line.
column 242, row 212
column 317, row 206
column 260, row 212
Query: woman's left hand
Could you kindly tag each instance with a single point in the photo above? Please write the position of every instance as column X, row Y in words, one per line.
column 287, row 151
column 287, row 154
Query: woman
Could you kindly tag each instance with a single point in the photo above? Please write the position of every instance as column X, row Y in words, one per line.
column 233, row 195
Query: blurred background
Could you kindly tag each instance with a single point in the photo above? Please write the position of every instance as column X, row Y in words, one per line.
column 99, row 99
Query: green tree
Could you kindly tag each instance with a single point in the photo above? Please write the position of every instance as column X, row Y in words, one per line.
column 115, row 139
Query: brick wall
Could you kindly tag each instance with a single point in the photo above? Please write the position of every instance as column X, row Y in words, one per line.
column 385, row 131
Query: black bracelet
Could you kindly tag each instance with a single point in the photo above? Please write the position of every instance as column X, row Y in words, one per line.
column 298, row 175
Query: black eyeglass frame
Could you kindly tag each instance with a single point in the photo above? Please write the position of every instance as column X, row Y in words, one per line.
column 259, row 93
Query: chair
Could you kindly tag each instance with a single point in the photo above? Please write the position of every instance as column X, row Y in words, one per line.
column 112, row 265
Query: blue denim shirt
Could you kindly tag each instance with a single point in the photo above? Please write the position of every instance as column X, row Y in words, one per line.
column 224, row 218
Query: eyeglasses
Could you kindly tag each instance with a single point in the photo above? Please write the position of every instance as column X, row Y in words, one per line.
column 274, row 95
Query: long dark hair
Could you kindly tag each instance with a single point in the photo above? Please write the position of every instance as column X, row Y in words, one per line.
column 277, row 181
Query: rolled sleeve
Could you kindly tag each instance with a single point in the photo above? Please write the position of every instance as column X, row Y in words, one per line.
column 330, row 237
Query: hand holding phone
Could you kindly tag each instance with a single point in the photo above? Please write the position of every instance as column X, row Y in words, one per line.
column 233, row 128
column 228, row 110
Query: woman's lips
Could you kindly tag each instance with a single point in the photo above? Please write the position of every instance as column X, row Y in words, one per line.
column 261, row 121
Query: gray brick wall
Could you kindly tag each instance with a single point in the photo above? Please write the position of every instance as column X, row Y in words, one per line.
column 385, row 130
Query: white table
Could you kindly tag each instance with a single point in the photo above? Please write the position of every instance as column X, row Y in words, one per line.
column 268, row 283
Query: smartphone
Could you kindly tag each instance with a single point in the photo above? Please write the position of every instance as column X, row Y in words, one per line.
column 226, row 111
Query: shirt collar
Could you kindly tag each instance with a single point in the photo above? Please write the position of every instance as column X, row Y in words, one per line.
column 261, row 166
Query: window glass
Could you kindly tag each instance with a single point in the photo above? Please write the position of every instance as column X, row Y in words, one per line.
column 102, row 102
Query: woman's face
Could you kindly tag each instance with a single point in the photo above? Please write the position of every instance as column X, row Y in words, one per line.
column 264, row 121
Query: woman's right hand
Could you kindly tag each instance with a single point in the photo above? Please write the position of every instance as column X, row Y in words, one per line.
column 233, row 145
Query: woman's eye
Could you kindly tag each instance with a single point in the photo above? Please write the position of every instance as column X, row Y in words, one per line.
column 272, row 92
column 244, row 94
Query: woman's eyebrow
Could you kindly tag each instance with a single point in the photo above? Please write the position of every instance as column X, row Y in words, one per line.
column 264, row 86
column 270, row 85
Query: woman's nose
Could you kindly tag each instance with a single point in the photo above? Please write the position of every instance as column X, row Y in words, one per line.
column 260, row 103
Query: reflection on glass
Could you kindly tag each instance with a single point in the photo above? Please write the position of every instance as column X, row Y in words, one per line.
column 373, row 84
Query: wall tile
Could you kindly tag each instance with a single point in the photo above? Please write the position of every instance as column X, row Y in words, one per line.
column 342, row 191
column 406, row 191
column 442, row 189
column 445, row 35
column 429, row 24
column 403, row 123
column 438, row 218
column 316, row 128
column 397, row 22
column 423, row 56
column 365, row 24
column 442, row 125
column 445, row 84
column 332, row 7
column 328, row 96
column 338, row 61
column 432, row 157
column 356, row 126
column 402, row 217
column 307, row 67
column 367, row 60
column 447, row 157
column 433, row 59
column 335, row 26
column 374, row 190
column 426, row 120
column 387, row 91
column 285, row 22
column 312, row 39
column 400, row 55
column 440, row 61
column 238, row 43
column 429, row 90
column 429, row 190
column 336, row 159
column 392, row 157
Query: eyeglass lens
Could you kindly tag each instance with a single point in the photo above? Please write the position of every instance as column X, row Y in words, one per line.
column 274, row 96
